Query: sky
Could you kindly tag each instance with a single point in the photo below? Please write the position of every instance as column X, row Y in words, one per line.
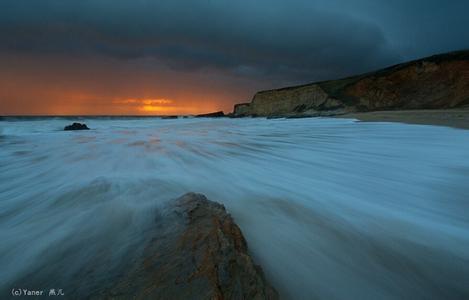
column 116, row 57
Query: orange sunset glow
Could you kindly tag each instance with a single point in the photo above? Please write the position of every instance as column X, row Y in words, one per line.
column 55, row 85
column 159, row 106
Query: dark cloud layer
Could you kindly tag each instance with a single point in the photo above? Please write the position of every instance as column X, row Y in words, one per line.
column 282, row 41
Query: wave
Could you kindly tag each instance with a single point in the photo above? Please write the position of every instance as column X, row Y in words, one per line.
column 330, row 208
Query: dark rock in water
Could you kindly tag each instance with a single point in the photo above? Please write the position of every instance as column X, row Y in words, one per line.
column 76, row 126
column 197, row 252
column 218, row 114
column 169, row 117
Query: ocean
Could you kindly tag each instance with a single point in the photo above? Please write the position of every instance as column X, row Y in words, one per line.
column 330, row 208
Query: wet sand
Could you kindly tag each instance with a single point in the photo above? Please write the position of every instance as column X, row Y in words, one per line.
column 458, row 118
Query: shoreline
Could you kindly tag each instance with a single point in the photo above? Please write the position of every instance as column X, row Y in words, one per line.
column 456, row 118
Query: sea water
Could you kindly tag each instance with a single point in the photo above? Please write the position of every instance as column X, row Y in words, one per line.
column 330, row 208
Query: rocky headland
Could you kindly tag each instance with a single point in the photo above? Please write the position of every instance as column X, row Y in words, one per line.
column 436, row 82
column 217, row 114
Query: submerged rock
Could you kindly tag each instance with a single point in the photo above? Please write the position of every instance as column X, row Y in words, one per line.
column 76, row 126
column 197, row 252
column 218, row 114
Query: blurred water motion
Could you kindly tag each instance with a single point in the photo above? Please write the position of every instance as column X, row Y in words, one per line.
column 331, row 209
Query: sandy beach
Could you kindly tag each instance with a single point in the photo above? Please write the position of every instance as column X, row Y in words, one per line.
column 458, row 118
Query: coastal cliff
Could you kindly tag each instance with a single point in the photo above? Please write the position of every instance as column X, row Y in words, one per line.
column 436, row 82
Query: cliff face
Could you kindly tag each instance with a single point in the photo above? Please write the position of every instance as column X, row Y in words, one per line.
column 293, row 101
column 440, row 81
column 241, row 109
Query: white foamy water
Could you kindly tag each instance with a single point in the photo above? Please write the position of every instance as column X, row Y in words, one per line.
column 331, row 208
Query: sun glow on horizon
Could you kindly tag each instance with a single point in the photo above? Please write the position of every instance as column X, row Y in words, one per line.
column 154, row 105
column 40, row 85
column 145, row 101
column 148, row 105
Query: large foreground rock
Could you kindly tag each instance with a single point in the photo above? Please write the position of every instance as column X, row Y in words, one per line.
column 197, row 252
column 436, row 82
column 192, row 249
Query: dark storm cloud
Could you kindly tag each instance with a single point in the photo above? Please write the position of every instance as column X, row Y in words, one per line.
column 291, row 40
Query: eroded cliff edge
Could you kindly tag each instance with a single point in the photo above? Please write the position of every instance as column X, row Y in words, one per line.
column 436, row 82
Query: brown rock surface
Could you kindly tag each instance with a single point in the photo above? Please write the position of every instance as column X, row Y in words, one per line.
column 302, row 100
column 436, row 82
column 197, row 252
